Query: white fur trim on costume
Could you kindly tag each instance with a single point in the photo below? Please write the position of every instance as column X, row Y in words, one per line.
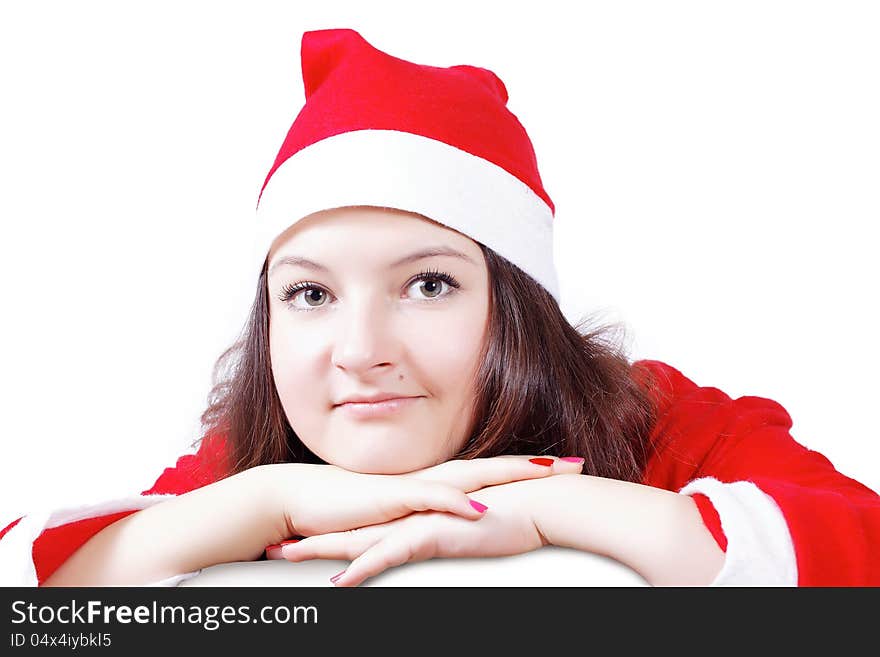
column 401, row 170
column 760, row 551
column 16, row 547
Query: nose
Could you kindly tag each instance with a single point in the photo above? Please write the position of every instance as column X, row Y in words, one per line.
column 365, row 337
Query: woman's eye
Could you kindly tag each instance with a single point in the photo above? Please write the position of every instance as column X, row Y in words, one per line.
column 312, row 295
column 431, row 288
column 429, row 285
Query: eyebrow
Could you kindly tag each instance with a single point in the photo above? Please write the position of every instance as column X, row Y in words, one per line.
column 430, row 252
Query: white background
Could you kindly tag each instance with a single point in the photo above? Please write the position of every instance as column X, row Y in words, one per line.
column 714, row 168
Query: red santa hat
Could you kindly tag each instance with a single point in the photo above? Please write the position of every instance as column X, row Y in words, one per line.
column 381, row 131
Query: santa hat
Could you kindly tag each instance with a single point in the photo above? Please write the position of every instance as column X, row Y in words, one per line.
column 381, row 131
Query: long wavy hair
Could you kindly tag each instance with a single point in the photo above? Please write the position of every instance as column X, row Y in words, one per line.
column 543, row 387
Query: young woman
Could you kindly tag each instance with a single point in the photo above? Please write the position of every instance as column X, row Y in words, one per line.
column 408, row 388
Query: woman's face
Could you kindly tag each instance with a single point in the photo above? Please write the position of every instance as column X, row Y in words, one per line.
column 369, row 324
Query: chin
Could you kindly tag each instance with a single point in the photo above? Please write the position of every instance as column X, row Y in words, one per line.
column 378, row 466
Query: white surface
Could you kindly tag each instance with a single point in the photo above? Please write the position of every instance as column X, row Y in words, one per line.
column 547, row 566
column 714, row 168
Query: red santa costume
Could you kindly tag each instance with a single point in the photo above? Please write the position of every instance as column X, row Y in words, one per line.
column 440, row 142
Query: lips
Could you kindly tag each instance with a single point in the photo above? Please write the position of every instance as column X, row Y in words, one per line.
column 386, row 409
column 373, row 399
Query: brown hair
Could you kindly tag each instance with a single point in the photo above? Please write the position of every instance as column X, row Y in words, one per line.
column 543, row 387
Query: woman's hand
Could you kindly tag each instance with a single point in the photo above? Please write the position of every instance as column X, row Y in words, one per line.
column 507, row 528
column 475, row 474
column 320, row 499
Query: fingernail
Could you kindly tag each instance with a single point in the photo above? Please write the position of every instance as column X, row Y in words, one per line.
column 479, row 507
column 282, row 543
column 336, row 577
column 542, row 461
column 286, row 553
column 573, row 459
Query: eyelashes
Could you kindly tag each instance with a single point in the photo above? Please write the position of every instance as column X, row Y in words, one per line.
column 290, row 290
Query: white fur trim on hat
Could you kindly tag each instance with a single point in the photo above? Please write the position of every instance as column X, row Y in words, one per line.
column 760, row 551
column 389, row 168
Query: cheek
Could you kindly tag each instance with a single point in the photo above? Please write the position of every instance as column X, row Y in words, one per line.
column 296, row 367
column 446, row 348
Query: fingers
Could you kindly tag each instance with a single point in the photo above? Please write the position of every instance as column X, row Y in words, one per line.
column 436, row 496
column 474, row 474
column 347, row 545
column 395, row 549
column 371, row 550
column 274, row 551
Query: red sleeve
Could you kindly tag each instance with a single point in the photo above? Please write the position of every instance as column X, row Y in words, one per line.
column 711, row 519
column 193, row 471
column 56, row 544
column 833, row 520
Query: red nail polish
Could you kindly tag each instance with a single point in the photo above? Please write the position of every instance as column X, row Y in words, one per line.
column 573, row 459
column 542, row 461
column 272, row 547
column 479, row 507
column 295, row 540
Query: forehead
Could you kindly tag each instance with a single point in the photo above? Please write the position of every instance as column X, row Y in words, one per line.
column 365, row 218
column 381, row 234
